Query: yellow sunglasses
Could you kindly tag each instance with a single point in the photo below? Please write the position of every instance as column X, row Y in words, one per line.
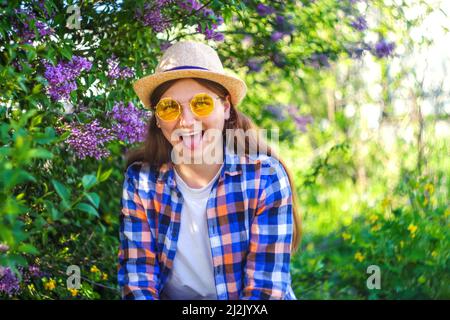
column 169, row 109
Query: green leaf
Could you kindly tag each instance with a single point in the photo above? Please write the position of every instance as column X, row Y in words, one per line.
column 67, row 52
column 55, row 214
column 93, row 198
column 62, row 191
column 88, row 181
column 87, row 208
column 40, row 153
column 105, row 175
column 28, row 248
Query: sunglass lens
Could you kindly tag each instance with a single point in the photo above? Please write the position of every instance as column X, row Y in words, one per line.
column 168, row 109
column 202, row 104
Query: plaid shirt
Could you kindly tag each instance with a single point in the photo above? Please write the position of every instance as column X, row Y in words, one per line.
column 250, row 224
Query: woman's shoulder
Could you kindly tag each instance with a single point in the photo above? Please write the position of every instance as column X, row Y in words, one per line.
column 268, row 164
column 141, row 170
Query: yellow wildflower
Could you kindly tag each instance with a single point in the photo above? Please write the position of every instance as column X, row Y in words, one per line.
column 359, row 256
column 376, row 227
column 429, row 188
column 425, row 201
column 412, row 229
column 373, row 218
column 50, row 285
column 434, row 254
column 346, row 235
column 74, row 292
column 104, row 276
column 94, row 269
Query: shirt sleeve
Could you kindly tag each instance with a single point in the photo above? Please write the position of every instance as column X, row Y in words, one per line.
column 138, row 269
column 267, row 266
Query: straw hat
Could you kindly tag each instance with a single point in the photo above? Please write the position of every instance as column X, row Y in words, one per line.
column 190, row 59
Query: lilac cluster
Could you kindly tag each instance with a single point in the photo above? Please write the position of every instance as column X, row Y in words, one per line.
column 152, row 17
column 277, row 111
column 130, row 123
column 255, row 64
column 9, row 284
column 300, row 121
column 283, row 25
column 384, row 48
column 193, row 6
column 24, row 28
column 165, row 45
column 264, row 10
column 117, row 72
column 279, row 59
column 359, row 23
column 88, row 140
column 62, row 77
column 318, row 60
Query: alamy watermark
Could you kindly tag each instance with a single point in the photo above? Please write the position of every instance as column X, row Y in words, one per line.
column 74, row 20
column 374, row 280
column 74, row 279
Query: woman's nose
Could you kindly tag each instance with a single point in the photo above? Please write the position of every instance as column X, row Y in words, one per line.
column 187, row 118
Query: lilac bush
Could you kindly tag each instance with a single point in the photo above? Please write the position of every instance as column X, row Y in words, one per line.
column 130, row 123
column 9, row 284
column 117, row 72
column 384, row 48
column 62, row 77
column 89, row 140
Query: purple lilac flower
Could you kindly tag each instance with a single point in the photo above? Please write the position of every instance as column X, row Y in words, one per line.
column 254, row 64
column 279, row 60
column 283, row 24
column 62, row 77
column 210, row 33
column 300, row 121
column 151, row 16
column 116, row 72
column 9, row 284
column 130, row 122
column 23, row 27
column 165, row 45
column 264, row 10
column 359, row 23
column 318, row 60
column 190, row 5
column 88, row 140
column 277, row 111
column 276, row 36
column 383, row 48
column 34, row 271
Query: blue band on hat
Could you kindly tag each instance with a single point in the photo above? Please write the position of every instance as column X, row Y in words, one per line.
column 185, row 67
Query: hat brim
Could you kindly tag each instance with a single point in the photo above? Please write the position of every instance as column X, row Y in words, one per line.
column 145, row 86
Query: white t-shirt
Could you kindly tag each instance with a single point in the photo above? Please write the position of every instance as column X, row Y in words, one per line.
column 192, row 275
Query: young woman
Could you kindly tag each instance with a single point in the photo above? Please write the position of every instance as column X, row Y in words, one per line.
column 191, row 228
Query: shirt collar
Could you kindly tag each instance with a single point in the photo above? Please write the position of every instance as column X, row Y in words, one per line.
column 232, row 166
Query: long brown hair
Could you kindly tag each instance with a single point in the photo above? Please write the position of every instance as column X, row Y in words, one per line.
column 156, row 149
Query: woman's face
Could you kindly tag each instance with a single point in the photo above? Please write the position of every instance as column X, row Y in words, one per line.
column 190, row 134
